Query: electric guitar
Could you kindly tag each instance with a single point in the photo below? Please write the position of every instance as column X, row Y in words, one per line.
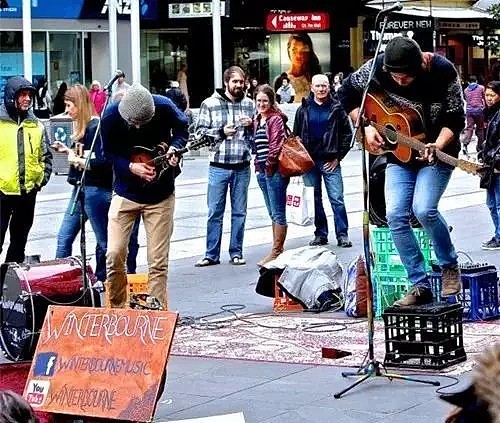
column 402, row 129
column 159, row 157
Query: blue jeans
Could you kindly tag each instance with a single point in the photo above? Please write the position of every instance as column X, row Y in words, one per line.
column 96, row 203
column 274, row 190
column 335, row 190
column 418, row 190
column 493, row 203
column 219, row 180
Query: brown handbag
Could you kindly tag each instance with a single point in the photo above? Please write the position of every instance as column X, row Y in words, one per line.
column 294, row 160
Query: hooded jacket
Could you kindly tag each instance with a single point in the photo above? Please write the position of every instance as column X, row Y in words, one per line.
column 217, row 111
column 25, row 159
column 474, row 97
column 336, row 141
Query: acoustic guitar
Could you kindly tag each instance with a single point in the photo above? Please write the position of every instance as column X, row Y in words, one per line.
column 159, row 157
column 402, row 129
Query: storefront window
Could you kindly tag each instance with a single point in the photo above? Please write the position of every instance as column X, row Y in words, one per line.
column 11, row 56
column 65, row 58
column 162, row 54
column 251, row 54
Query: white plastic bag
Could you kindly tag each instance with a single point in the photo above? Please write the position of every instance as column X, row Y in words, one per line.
column 299, row 202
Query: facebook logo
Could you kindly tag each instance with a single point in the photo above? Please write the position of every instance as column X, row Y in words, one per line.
column 45, row 364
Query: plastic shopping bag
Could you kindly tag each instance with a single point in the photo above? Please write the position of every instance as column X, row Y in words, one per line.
column 299, row 202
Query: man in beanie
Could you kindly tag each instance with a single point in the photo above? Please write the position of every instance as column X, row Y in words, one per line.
column 25, row 165
column 428, row 83
column 151, row 121
column 228, row 114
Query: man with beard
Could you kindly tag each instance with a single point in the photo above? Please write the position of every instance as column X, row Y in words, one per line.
column 227, row 114
column 25, row 165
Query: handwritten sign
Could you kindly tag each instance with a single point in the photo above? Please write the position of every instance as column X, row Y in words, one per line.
column 100, row 362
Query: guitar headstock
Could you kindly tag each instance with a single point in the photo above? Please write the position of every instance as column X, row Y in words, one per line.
column 470, row 167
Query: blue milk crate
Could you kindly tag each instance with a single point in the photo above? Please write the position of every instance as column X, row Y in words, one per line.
column 479, row 296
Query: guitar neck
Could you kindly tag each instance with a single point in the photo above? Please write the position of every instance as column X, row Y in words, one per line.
column 415, row 144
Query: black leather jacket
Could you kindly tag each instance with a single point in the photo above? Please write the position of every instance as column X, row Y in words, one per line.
column 337, row 138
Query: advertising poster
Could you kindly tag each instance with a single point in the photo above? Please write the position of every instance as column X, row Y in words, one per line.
column 11, row 64
column 100, row 362
column 301, row 55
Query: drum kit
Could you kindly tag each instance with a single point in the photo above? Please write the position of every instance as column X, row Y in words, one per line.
column 28, row 290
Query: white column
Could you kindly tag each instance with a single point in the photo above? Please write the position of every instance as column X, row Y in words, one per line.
column 217, row 43
column 27, row 47
column 113, row 40
column 135, row 40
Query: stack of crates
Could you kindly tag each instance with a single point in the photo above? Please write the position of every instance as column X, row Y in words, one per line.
column 479, row 296
column 389, row 275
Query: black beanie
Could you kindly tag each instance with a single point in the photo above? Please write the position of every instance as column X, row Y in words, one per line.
column 403, row 55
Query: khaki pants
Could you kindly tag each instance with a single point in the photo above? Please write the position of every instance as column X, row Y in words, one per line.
column 159, row 223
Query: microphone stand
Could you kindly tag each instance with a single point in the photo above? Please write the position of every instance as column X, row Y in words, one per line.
column 370, row 367
column 80, row 200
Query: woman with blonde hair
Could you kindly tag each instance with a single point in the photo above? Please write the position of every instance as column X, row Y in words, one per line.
column 98, row 178
column 269, row 134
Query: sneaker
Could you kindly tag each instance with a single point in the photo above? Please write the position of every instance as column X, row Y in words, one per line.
column 319, row 240
column 416, row 296
column 344, row 242
column 451, row 281
column 487, row 242
column 492, row 244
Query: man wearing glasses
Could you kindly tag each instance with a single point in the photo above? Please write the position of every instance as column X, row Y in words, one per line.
column 151, row 121
column 325, row 130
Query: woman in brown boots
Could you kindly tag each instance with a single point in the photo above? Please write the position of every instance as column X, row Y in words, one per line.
column 269, row 134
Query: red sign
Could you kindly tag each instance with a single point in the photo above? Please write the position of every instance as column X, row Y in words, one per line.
column 290, row 22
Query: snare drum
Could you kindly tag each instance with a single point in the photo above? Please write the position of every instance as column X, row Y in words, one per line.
column 28, row 290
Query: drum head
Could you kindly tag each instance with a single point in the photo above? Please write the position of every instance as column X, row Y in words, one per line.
column 15, row 335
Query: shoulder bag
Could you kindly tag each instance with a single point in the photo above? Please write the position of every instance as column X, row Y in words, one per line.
column 294, row 160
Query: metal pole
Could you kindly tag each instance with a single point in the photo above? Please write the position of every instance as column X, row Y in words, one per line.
column 113, row 37
column 217, row 43
column 135, row 40
column 27, row 46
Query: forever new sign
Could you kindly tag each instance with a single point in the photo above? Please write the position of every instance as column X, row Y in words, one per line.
column 100, row 362
column 404, row 23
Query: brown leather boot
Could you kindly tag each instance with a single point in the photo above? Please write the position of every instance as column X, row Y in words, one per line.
column 279, row 236
column 451, row 281
column 267, row 258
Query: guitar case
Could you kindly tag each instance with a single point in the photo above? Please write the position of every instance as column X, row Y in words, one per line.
column 377, row 213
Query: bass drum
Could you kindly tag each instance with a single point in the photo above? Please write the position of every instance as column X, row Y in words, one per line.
column 377, row 212
column 28, row 290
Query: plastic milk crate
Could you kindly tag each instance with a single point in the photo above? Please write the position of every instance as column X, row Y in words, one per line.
column 479, row 296
column 387, row 261
column 424, row 337
column 389, row 275
column 136, row 284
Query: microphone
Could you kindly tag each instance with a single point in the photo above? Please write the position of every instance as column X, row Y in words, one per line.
column 396, row 7
column 118, row 74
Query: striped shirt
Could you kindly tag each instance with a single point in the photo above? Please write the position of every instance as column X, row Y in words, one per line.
column 261, row 144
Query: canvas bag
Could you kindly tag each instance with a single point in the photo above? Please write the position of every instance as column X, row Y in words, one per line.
column 299, row 202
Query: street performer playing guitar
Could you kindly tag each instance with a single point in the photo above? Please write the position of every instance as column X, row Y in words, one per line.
column 142, row 186
column 428, row 85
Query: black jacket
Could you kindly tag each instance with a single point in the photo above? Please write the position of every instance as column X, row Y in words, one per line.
column 336, row 141
column 491, row 149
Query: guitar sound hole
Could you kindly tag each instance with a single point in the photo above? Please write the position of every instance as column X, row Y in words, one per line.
column 391, row 137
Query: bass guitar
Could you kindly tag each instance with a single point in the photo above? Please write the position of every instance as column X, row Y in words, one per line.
column 402, row 129
column 158, row 156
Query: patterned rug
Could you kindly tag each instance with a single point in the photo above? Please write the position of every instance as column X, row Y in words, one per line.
column 300, row 338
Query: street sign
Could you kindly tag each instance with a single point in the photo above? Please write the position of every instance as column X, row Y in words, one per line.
column 193, row 10
column 289, row 22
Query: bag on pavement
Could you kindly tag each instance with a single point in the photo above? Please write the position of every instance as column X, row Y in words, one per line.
column 299, row 203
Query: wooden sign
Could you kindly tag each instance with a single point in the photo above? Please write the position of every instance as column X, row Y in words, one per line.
column 100, row 362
